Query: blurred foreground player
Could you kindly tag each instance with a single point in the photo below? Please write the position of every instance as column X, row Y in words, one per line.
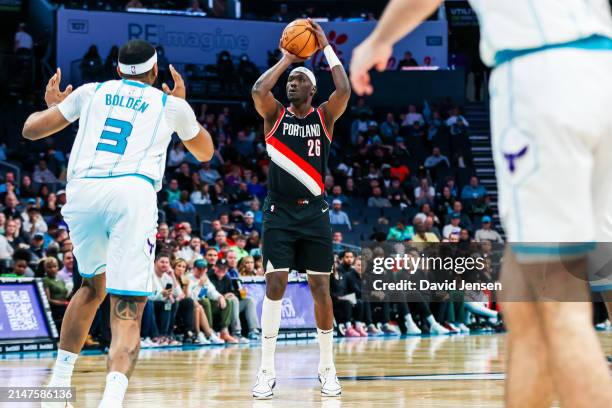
column 296, row 228
column 551, row 92
column 116, row 167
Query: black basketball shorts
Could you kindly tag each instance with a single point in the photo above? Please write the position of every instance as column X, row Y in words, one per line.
column 297, row 235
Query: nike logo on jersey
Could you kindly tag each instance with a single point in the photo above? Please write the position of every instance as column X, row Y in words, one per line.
column 512, row 157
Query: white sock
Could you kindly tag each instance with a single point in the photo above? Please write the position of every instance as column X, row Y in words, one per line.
column 62, row 370
column 431, row 320
column 409, row 321
column 326, row 357
column 359, row 325
column 116, row 385
column 270, row 323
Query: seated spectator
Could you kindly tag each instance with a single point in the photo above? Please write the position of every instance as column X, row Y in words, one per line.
column 389, row 129
column 11, row 206
column 256, row 188
column 2, row 223
column 474, row 191
column 176, row 156
column 51, row 208
column 487, row 233
column 183, row 177
column 55, row 288
column 424, row 193
column 66, row 273
column 407, row 61
column 246, row 266
column 435, row 124
column 201, row 196
column 163, row 297
column 13, row 234
column 359, row 127
column 430, row 227
column 171, row 193
column 337, row 216
column 239, row 248
column 34, row 224
column 401, row 232
column 377, row 200
column 454, row 117
column 399, row 171
column 216, row 309
column 43, row 175
column 421, row 234
column 413, row 117
column 183, row 205
column 465, row 219
column 242, row 194
column 254, row 244
column 346, row 310
column 224, row 284
column 37, row 247
column 192, row 252
column 208, row 174
column 453, row 228
column 435, row 159
column 337, row 195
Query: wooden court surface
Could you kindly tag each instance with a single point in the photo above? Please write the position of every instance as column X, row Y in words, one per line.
column 442, row 371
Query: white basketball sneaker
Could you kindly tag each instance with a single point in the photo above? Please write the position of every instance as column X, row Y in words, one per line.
column 264, row 384
column 330, row 386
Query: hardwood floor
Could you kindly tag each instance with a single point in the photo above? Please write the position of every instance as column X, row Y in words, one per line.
column 443, row 371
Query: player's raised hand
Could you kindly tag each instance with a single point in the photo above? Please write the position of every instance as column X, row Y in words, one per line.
column 367, row 55
column 53, row 94
column 179, row 85
column 318, row 31
column 293, row 59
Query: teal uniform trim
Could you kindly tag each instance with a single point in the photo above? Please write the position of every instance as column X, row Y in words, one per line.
column 593, row 43
column 135, row 83
column 91, row 275
column 145, row 178
column 127, row 292
column 574, row 249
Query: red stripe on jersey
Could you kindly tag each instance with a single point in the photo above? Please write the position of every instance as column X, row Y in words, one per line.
column 323, row 124
column 276, row 124
column 297, row 160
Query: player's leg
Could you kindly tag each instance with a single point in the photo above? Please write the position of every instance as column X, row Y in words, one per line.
column 130, row 218
column 315, row 255
column 90, row 249
column 278, row 250
column 126, row 316
column 528, row 380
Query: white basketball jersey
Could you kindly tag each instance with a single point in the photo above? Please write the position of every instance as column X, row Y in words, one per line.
column 124, row 128
column 526, row 24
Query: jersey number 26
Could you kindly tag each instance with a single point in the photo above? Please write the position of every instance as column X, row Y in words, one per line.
column 119, row 138
column 314, row 147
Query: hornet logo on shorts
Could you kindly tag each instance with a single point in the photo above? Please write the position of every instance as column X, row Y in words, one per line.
column 151, row 246
column 512, row 157
column 287, row 309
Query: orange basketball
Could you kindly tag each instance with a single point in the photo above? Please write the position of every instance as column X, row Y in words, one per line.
column 298, row 39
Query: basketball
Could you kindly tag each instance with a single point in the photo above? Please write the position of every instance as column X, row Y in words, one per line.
column 298, row 39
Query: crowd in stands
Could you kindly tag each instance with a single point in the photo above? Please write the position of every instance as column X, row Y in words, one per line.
column 402, row 176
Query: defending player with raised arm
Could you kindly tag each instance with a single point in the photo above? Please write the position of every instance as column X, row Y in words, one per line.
column 116, row 166
column 296, row 228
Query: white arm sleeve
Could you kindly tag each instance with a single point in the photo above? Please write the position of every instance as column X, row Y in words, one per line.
column 71, row 107
column 181, row 119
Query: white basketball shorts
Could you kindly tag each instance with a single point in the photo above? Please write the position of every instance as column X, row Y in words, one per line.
column 113, row 224
column 551, row 121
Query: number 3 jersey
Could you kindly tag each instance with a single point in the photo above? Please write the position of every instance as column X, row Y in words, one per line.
column 299, row 149
column 124, row 129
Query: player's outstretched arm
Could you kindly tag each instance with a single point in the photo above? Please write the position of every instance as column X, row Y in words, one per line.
column 265, row 102
column 201, row 146
column 399, row 18
column 50, row 121
column 336, row 105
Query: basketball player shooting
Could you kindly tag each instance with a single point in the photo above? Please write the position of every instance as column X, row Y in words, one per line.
column 296, row 228
column 114, row 171
column 546, row 65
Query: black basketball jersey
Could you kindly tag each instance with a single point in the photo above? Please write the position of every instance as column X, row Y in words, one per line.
column 298, row 149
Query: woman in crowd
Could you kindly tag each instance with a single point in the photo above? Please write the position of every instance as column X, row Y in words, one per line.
column 246, row 266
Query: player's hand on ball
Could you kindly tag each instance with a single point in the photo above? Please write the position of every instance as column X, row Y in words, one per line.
column 179, row 85
column 293, row 59
column 318, row 31
column 53, row 95
column 367, row 55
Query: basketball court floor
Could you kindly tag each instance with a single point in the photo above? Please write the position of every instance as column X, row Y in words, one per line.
column 441, row 371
